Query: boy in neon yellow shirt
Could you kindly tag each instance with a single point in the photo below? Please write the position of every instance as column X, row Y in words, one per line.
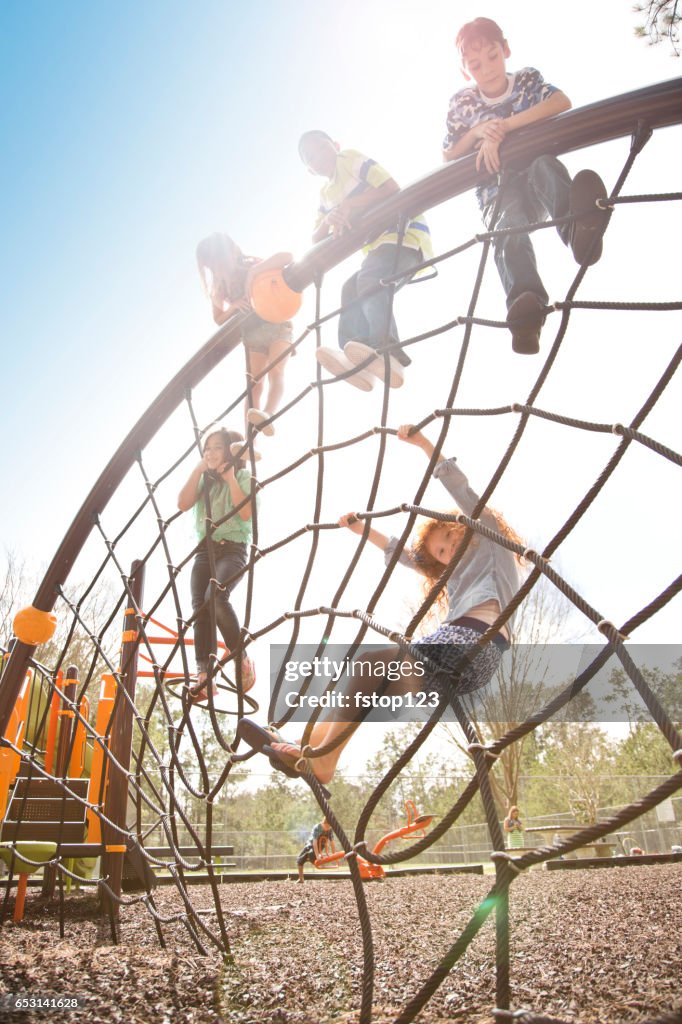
column 357, row 182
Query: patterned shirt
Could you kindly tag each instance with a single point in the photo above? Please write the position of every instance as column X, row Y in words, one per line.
column 468, row 107
column 355, row 173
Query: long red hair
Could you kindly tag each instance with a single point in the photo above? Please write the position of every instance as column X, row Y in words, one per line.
column 431, row 568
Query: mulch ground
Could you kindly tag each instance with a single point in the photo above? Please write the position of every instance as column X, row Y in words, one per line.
column 594, row 947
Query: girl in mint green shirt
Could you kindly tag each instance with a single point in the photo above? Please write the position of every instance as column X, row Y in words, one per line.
column 217, row 490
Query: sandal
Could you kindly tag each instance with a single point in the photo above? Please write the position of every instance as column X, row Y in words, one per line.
column 256, row 736
column 261, row 739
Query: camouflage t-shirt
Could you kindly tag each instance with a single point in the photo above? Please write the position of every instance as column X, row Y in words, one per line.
column 468, row 107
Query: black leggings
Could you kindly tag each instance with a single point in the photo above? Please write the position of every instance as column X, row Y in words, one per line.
column 230, row 557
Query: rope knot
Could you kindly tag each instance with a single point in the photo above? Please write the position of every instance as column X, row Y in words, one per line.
column 610, row 631
column 503, row 856
column 486, row 749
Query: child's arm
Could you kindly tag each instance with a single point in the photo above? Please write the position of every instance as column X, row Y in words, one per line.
column 557, row 103
column 447, row 471
column 276, row 262
column 473, row 138
column 487, row 135
column 417, row 439
column 188, row 495
column 370, row 197
column 488, row 153
column 341, row 217
column 355, row 525
column 220, row 315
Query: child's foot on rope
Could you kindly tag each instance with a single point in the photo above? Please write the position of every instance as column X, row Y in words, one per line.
column 198, row 691
column 262, row 740
column 357, row 352
column 248, row 674
column 248, row 670
column 289, row 755
column 336, row 362
column 256, row 417
column 240, row 450
column 525, row 318
column 586, row 242
column 284, row 757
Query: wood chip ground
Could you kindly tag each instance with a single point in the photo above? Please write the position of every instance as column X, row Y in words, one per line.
column 590, row 947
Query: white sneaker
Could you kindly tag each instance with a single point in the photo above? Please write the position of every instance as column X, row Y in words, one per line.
column 336, row 362
column 239, row 449
column 256, row 417
column 357, row 352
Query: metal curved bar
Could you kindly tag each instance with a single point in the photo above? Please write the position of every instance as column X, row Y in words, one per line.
column 642, row 110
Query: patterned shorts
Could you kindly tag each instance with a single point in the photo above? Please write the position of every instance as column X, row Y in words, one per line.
column 259, row 336
column 450, row 649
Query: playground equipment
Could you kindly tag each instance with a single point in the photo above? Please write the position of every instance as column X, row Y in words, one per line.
column 45, row 821
column 160, row 779
column 416, row 825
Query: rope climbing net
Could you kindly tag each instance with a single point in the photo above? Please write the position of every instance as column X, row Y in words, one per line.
column 149, row 762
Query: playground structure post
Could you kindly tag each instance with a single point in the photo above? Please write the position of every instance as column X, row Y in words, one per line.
column 98, row 770
column 120, row 742
column 65, row 716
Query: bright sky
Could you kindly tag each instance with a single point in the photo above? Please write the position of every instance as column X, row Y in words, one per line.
column 132, row 130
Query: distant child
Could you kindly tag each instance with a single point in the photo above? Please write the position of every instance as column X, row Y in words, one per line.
column 479, row 118
column 483, row 582
column 513, row 826
column 218, row 485
column 320, row 844
column 355, row 184
column 231, row 275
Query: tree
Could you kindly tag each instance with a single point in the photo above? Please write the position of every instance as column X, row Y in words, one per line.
column 661, row 21
column 645, row 751
column 576, row 759
column 11, row 587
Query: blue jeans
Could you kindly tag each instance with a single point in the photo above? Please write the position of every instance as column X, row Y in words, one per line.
column 540, row 192
column 230, row 557
column 368, row 320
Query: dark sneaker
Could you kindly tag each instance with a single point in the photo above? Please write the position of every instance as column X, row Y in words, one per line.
column 587, row 230
column 525, row 319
